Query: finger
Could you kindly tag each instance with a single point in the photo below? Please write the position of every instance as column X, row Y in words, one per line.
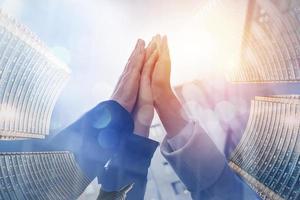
column 149, row 65
column 150, row 49
column 157, row 39
column 139, row 44
column 136, row 60
column 134, row 53
column 165, row 47
column 164, row 54
column 163, row 65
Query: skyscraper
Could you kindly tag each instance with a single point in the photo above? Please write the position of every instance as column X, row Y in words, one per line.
column 30, row 80
column 271, row 44
column 40, row 175
column 268, row 155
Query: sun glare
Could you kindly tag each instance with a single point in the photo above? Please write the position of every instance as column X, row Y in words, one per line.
column 206, row 46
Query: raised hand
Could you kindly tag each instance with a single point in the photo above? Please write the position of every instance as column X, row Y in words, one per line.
column 144, row 110
column 127, row 88
column 166, row 103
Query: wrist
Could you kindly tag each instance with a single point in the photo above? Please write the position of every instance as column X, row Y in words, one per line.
column 162, row 95
column 122, row 102
column 142, row 128
column 171, row 113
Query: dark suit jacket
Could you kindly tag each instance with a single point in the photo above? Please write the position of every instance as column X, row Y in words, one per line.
column 103, row 134
column 104, row 145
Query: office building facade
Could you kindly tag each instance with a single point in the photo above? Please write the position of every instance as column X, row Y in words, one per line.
column 267, row 156
column 271, row 44
column 30, row 80
column 40, row 175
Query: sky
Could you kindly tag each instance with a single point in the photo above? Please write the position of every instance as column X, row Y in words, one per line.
column 95, row 38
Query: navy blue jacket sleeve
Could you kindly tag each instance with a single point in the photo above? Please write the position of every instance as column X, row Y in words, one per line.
column 106, row 133
column 129, row 166
column 96, row 136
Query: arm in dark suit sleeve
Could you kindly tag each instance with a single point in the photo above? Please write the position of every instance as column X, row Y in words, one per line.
column 96, row 136
column 104, row 133
column 129, row 166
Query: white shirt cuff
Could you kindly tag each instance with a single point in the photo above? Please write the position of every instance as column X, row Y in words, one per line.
column 178, row 141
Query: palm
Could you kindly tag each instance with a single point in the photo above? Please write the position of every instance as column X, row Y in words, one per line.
column 144, row 109
column 127, row 88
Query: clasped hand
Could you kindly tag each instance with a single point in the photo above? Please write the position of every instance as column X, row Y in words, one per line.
column 145, row 85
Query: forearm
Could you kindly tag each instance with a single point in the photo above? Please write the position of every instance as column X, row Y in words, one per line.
column 114, row 179
column 202, row 167
column 170, row 112
column 228, row 187
column 89, row 137
column 129, row 166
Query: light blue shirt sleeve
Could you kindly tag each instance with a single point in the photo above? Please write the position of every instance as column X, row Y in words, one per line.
column 202, row 167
